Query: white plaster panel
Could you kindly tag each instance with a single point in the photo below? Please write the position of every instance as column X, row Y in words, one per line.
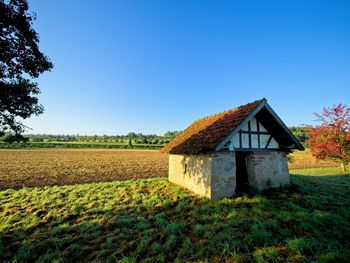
column 235, row 140
column 262, row 128
column 254, row 140
column 253, row 125
column 245, row 141
column 263, row 140
column 245, row 127
column 273, row 144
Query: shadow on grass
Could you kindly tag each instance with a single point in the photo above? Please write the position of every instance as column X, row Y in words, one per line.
column 153, row 221
column 327, row 184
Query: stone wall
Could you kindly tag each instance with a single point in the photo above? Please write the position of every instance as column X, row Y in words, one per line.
column 223, row 175
column 267, row 169
column 192, row 172
column 213, row 176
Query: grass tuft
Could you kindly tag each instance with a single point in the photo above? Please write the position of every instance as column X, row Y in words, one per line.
column 151, row 220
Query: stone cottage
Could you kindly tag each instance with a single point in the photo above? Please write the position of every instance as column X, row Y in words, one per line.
column 220, row 154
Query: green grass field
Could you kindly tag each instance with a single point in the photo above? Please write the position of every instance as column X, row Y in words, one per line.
column 151, row 220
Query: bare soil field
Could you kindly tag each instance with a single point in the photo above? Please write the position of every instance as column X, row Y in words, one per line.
column 40, row 167
column 20, row 168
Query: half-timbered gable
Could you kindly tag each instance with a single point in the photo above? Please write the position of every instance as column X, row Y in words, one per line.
column 251, row 137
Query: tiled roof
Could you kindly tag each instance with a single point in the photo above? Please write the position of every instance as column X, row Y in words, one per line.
column 205, row 134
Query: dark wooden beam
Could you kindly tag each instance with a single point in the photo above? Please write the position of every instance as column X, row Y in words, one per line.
column 254, row 132
column 268, row 142
column 250, row 135
column 258, row 131
column 240, row 139
column 259, row 150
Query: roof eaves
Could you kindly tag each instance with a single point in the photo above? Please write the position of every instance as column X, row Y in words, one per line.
column 299, row 146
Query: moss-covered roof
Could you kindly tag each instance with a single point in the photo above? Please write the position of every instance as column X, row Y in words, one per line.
column 205, row 134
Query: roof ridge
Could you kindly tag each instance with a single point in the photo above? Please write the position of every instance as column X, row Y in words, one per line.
column 231, row 109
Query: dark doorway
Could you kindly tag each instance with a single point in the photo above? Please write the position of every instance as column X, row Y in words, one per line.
column 241, row 172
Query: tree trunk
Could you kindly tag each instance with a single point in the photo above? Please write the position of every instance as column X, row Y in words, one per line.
column 343, row 167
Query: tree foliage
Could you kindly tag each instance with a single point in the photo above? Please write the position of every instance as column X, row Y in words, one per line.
column 300, row 133
column 20, row 62
column 331, row 139
column 11, row 138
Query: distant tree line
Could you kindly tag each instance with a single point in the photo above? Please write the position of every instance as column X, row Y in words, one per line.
column 131, row 138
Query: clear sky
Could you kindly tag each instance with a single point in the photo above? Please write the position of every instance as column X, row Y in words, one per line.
column 153, row 66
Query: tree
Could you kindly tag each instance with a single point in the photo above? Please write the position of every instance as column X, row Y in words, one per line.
column 20, row 62
column 331, row 139
column 300, row 133
column 132, row 135
column 171, row 134
column 10, row 138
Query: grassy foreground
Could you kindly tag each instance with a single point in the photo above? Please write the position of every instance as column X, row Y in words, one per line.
column 151, row 220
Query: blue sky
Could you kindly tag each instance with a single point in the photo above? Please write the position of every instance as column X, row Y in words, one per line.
column 154, row 66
